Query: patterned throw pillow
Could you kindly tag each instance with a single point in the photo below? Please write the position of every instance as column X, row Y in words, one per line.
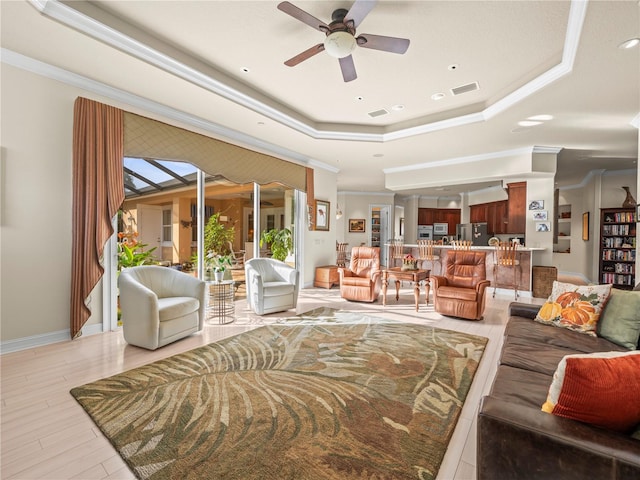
column 601, row 389
column 576, row 307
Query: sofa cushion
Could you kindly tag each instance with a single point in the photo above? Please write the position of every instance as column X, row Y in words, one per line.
column 521, row 330
column 620, row 319
column 576, row 307
column 601, row 389
column 521, row 387
column 535, row 357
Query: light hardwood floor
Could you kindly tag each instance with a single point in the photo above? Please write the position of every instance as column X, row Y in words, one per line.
column 45, row 434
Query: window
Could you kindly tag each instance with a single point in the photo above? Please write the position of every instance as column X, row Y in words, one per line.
column 167, row 226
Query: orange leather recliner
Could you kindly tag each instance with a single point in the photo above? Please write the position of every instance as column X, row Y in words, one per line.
column 361, row 281
column 459, row 292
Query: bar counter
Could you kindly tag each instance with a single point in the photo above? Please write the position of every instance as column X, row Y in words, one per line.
column 505, row 275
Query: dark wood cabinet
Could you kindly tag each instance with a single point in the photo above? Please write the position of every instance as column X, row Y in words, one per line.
column 517, row 207
column 618, row 247
column 450, row 216
column 501, row 218
column 478, row 213
column 425, row 216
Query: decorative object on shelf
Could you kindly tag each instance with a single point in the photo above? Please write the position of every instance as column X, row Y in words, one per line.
column 629, row 201
column 493, row 241
column 322, row 215
column 585, row 226
column 409, row 262
column 356, row 225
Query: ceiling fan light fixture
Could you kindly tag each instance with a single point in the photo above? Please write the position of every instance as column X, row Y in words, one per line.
column 339, row 44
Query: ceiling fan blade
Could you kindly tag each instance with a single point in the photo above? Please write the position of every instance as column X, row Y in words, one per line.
column 303, row 16
column 348, row 68
column 380, row 42
column 359, row 10
column 301, row 57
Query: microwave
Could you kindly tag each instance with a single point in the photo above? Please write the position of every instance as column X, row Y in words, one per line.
column 441, row 229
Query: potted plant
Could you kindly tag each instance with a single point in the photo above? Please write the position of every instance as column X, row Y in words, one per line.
column 216, row 265
column 280, row 242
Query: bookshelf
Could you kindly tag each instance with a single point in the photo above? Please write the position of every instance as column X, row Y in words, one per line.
column 618, row 247
column 375, row 227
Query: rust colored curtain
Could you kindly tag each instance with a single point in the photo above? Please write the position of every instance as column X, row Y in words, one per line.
column 98, row 193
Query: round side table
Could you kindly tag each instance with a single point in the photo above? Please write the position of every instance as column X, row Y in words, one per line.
column 221, row 306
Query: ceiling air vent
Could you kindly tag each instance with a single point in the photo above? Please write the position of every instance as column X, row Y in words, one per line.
column 469, row 87
column 378, row 113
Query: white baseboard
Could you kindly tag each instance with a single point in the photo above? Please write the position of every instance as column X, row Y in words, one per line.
column 33, row 341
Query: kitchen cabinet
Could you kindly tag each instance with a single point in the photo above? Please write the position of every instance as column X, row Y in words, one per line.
column 517, row 204
column 478, row 213
column 450, row 216
column 494, row 214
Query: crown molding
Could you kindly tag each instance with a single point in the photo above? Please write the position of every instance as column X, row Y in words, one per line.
column 43, row 69
column 66, row 15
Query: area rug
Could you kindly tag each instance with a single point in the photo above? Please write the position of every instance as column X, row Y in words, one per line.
column 368, row 400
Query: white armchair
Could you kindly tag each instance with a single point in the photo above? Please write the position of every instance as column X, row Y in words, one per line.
column 160, row 305
column 272, row 285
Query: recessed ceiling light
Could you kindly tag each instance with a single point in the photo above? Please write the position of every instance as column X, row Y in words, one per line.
column 245, row 69
column 541, row 118
column 437, row 96
column 528, row 123
column 453, row 66
column 632, row 42
column 398, row 107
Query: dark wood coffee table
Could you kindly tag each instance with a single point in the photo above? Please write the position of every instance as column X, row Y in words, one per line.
column 399, row 275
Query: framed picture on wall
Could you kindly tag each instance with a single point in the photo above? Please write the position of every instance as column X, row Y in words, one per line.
column 540, row 215
column 536, row 205
column 322, row 215
column 356, row 225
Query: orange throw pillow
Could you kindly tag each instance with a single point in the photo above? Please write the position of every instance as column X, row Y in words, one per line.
column 602, row 389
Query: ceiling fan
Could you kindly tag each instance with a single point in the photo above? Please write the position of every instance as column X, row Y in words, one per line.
column 341, row 39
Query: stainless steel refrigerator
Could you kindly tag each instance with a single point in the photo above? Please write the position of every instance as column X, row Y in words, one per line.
column 476, row 232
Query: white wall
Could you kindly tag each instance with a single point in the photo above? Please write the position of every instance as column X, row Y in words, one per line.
column 37, row 118
column 320, row 246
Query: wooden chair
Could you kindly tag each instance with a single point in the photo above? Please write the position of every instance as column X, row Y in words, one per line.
column 461, row 244
column 427, row 255
column 506, row 257
column 397, row 252
column 341, row 254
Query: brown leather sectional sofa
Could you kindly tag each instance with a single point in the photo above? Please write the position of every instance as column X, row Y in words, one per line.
column 516, row 440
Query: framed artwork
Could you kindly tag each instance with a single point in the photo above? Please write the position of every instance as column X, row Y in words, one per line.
column 543, row 226
column 322, row 215
column 536, row 205
column 585, row 226
column 540, row 215
column 356, row 225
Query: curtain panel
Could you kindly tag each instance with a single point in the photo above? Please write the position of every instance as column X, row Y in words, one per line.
column 98, row 193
